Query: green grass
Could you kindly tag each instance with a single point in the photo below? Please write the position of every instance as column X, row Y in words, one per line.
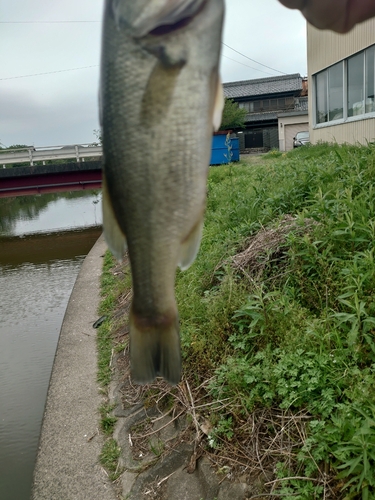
column 299, row 338
column 303, row 339
column 109, row 458
column 108, row 421
column 111, row 288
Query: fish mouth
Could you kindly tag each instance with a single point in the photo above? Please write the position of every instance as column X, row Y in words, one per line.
column 165, row 29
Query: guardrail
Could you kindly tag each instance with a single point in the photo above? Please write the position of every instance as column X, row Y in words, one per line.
column 32, row 154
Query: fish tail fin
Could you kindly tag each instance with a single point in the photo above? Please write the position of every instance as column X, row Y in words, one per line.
column 154, row 348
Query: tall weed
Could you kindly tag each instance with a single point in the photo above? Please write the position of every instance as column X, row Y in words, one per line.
column 303, row 338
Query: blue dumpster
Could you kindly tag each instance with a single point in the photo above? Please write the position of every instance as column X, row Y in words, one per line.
column 224, row 150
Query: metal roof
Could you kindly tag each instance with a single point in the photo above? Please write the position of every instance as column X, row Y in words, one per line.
column 263, row 86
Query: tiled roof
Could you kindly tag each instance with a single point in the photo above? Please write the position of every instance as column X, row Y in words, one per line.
column 263, row 86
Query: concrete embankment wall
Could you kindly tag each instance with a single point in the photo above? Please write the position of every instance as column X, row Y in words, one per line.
column 67, row 466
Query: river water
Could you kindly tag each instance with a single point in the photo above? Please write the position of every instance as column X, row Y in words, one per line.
column 43, row 241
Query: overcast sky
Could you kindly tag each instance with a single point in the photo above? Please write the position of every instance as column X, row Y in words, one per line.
column 62, row 107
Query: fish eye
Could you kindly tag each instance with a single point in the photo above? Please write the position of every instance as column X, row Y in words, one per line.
column 165, row 29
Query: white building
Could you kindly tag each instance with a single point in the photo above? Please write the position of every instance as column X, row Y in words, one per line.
column 341, row 72
column 276, row 110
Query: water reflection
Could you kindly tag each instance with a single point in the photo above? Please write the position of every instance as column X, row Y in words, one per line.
column 49, row 212
column 37, row 272
column 32, row 305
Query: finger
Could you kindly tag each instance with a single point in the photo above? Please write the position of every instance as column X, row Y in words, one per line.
column 337, row 15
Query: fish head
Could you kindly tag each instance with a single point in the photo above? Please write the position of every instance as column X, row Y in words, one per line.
column 176, row 34
column 145, row 19
column 145, row 16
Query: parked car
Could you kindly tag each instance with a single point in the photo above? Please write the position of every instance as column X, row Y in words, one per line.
column 301, row 139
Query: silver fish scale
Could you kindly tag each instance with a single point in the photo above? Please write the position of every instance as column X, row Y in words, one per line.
column 157, row 117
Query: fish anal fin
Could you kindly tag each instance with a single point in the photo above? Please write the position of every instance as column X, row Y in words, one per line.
column 114, row 237
column 154, row 348
column 190, row 246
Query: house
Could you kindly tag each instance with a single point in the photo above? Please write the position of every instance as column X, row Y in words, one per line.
column 276, row 110
column 342, row 84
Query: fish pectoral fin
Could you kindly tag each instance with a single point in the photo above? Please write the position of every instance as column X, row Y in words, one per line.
column 114, row 237
column 218, row 106
column 190, row 246
column 154, row 348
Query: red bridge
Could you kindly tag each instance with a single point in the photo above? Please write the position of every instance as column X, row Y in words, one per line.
column 74, row 176
column 82, row 169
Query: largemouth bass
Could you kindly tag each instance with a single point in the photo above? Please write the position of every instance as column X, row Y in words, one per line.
column 160, row 100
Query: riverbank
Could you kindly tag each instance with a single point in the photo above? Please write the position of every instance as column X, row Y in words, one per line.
column 279, row 375
column 277, row 323
column 67, row 466
column 45, row 247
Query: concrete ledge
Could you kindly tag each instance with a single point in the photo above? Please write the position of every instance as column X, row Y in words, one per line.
column 67, row 466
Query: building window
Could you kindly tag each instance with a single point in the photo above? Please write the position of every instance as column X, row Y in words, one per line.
column 264, row 105
column 346, row 89
column 356, row 86
column 336, row 92
column 322, row 97
column 330, row 94
column 370, row 80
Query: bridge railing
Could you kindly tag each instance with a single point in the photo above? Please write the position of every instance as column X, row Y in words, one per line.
column 31, row 154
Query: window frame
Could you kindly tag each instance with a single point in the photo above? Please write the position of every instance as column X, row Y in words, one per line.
column 345, row 119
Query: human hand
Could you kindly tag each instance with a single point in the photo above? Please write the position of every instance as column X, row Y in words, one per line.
column 336, row 15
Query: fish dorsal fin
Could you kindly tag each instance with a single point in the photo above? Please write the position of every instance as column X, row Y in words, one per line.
column 190, row 246
column 153, row 14
column 218, row 106
column 114, row 237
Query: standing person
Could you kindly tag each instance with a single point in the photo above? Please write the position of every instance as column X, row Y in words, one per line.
column 336, row 15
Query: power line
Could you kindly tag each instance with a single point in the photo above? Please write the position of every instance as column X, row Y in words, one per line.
column 46, row 22
column 256, row 69
column 70, row 22
column 96, row 65
column 247, row 57
column 49, row 72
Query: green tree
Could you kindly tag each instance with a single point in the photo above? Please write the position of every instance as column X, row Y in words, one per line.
column 14, row 146
column 233, row 116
